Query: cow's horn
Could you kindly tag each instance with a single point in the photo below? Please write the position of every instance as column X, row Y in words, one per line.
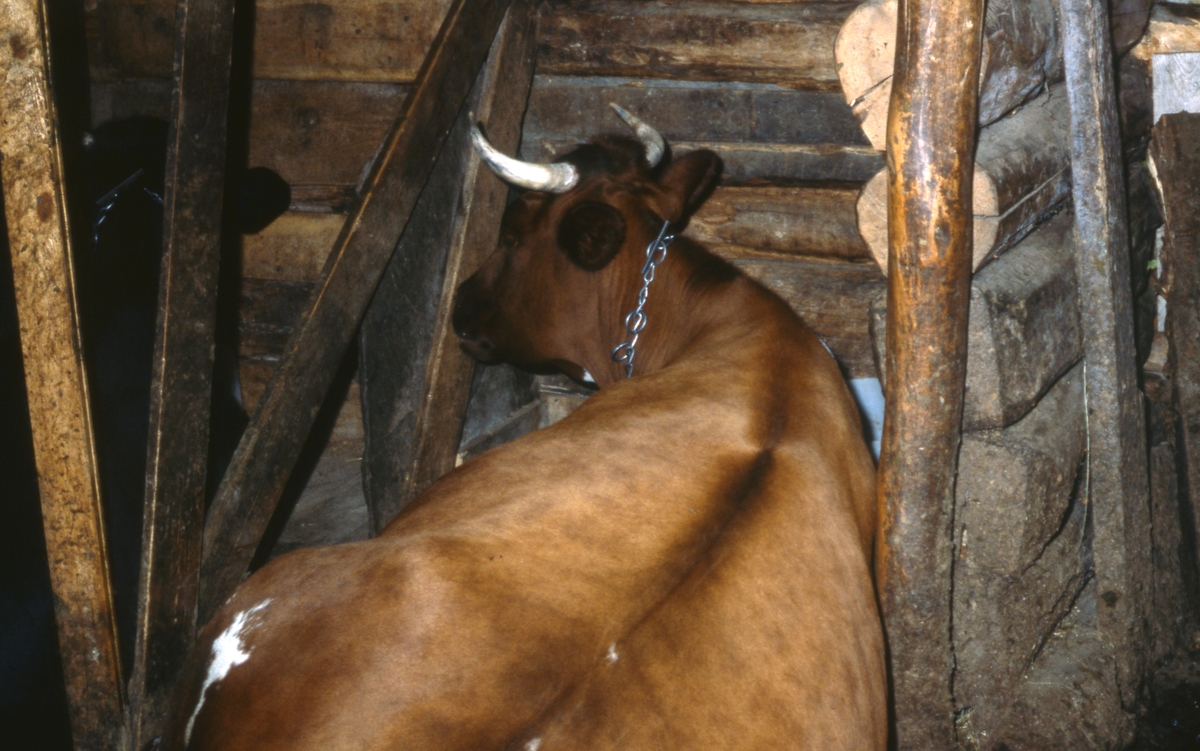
column 650, row 138
column 553, row 178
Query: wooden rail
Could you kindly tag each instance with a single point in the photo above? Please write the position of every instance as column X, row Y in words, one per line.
column 264, row 460
column 64, row 445
column 181, row 390
column 931, row 139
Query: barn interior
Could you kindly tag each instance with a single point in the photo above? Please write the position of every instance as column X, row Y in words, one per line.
column 1071, row 621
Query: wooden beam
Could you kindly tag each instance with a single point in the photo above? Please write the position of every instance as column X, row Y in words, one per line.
column 1117, row 471
column 415, row 380
column 64, row 445
column 931, row 142
column 1175, row 149
column 264, row 460
column 181, row 389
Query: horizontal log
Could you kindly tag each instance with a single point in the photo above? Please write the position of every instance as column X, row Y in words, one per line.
column 789, row 44
column 320, row 133
column 815, row 220
column 1172, row 28
column 1019, row 529
column 347, row 40
column 832, row 298
column 1022, row 175
column 576, row 108
column 755, row 163
column 1024, row 328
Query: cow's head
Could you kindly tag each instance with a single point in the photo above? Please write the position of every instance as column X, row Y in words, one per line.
column 554, row 294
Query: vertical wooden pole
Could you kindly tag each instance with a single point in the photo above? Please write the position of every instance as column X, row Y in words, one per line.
column 64, row 449
column 1118, row 489
column 415, row 380
column 267, row 453
column 930, row 150
column 181, row 391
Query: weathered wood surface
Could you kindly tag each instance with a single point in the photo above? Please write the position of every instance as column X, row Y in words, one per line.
column 1019, row 531
column 1116, row 431
column 1022, row 176
column 1021, row 53
column 345, row 40
column 1176, row 82
column 750, row 163
column 832, row 298
column 181, row 389
column 1023, row 331
column 576, row 108
column 788, row 43
column 293, row 248
column 1175, row 150
column 931, row 143
column 802, row 221
column 415, row 379
column 63, row 441
column 1172, row 28
column 264, row 459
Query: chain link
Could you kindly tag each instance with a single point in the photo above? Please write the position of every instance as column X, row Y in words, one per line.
column 656, row 253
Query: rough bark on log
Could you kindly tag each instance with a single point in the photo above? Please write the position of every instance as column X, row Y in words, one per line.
column 1019, row 531
column 1022, row 175
column 931, row 144
column 1024, row 330
column 63, row 442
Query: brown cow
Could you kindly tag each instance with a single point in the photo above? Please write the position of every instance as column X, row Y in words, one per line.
column 682, row 563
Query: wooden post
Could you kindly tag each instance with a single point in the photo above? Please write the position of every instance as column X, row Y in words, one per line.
column 54, row 374
column 181, row 391
column 1117, row 474
column 264, row 460
column 414, row 378
column 931, row 139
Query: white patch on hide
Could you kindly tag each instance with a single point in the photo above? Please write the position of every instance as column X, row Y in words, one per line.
column 533, row 744
column 612, row 655
column 587, row 377
column 227, row 651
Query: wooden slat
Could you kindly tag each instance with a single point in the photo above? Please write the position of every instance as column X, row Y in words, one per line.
column 415, row 380
column 931, row 141
column 344, row 40
column 292, row 249
column 1118, row 489
column 573, row 107
column 802, row 221
column 788, row 44
column 181, row 390
column 1176, row 153
column 259, row 470
column 64, row 445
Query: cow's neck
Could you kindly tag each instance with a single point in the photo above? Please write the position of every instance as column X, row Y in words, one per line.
column 695, row 303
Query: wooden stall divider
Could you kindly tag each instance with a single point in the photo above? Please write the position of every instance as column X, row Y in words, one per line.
column 64, row 446
column 260, row 467
column 931, row 142
column 181, row 389
column 1117, row 490
column 414, row 378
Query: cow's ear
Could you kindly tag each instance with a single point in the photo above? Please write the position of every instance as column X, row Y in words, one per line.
column 689, row 180
column 591, row 234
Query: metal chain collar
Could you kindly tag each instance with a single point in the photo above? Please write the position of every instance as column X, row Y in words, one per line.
column 656, row 253
column 106, row 204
